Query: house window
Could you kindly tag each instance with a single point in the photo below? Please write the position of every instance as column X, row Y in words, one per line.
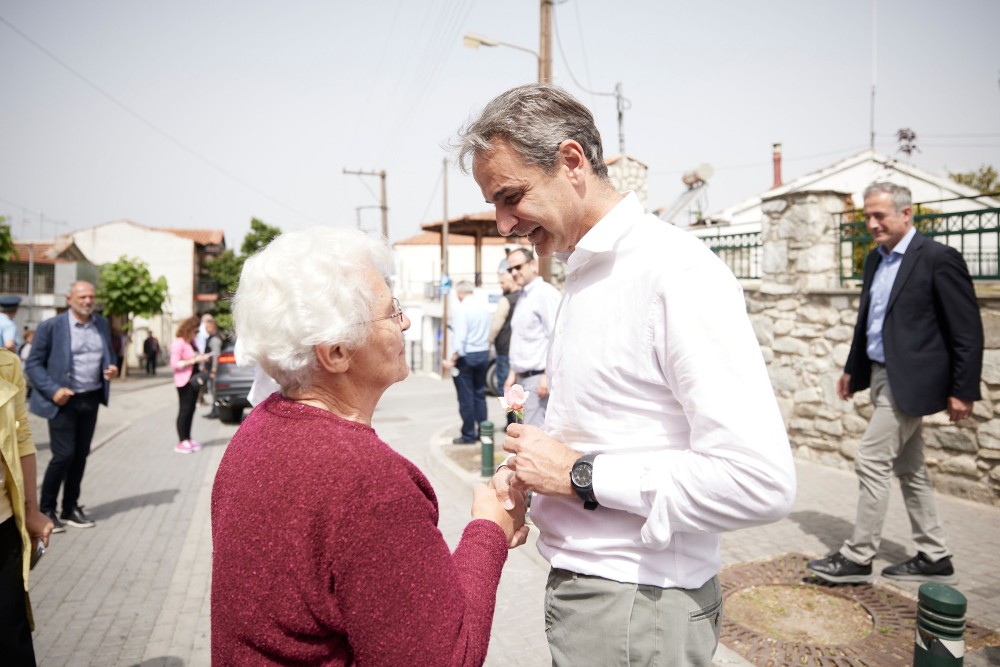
column 14, row 279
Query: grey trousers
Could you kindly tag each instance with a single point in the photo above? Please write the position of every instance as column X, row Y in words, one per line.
column 892, row 445
column 595, row 621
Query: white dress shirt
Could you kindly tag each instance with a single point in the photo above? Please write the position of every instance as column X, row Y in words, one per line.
column 531, row 326
column 655, row 366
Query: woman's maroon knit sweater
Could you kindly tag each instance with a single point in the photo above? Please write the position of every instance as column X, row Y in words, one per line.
column 327, row 552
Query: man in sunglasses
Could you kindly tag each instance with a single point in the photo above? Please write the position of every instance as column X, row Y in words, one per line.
column 531, row 329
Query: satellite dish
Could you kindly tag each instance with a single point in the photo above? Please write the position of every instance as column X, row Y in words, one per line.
column 704, row 171
column 698, row 176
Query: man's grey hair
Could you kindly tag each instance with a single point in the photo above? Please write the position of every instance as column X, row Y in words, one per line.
column 464, row 287
column 307, row 287
column 534, row 120
column 901, row 195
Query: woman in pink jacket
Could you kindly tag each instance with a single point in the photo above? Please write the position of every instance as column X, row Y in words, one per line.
column 184, row 360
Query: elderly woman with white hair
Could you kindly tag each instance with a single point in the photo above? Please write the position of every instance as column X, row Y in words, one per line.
column 326, row 546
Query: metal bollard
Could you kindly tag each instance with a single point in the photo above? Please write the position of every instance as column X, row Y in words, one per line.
column 486, row 438
column 940, row 639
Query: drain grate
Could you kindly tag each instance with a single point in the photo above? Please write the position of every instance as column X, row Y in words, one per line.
column 890, row 643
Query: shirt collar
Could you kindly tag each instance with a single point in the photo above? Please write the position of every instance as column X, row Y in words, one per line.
column 604, row 236
column 901, row 247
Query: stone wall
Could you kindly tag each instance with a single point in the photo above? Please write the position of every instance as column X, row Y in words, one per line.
column 805, row 321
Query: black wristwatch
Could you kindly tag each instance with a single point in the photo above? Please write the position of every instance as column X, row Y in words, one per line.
column 582, row 479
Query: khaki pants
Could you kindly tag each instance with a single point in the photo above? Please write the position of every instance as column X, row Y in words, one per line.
column 892, row 445
column 604, row 623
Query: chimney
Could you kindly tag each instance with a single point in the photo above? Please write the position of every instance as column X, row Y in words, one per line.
column 777, row 166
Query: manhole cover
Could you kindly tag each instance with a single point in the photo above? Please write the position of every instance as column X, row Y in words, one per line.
column 795, row 642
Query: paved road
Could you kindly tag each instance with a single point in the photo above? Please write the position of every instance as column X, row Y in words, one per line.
column 135, row 589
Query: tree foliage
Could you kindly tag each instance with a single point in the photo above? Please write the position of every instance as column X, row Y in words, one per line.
column 258, row 237
column 7, row 251
column 127, row 288
column 985, row 179
column 225, row 269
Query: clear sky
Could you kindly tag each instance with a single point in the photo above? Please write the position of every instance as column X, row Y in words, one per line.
column 205, row 114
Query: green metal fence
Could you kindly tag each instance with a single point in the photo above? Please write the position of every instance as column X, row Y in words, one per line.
column 975, row 234
column 742, row 252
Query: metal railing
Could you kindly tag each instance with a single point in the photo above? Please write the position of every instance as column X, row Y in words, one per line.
column 975, row 234
column 742, row 252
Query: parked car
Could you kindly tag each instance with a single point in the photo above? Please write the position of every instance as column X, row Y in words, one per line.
column 232, row 385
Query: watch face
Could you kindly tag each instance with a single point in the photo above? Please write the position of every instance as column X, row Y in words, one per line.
column 583, row 475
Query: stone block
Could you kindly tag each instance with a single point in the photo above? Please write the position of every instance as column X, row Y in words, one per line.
column 802, row 425
column 775, row 258
column 809, row 395
column 849, row 448
column 950, row 438
column 989, row 454
column 820, row 347
column 787, row 304
column 991, row 366
column 834, row 428
column 806, row 409
column 963, row 465
column 989, row 434
column 790, row 345
column 783, row 378
column 787, row 408
column 840, row 333
column 991, row 328
column 819, row 315
column 763, row 327
column 782, row 327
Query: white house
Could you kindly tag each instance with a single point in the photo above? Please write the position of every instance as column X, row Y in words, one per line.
column 179, row 255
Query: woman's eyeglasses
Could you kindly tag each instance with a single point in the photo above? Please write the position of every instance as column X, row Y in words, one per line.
column 397, row 311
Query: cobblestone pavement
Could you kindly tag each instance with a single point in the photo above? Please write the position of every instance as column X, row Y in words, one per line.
column 135, row 589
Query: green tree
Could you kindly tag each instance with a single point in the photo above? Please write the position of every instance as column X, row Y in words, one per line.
column 225, row 269
column 985, row 179
column 127, row 289
column 258, row 237
column 7, row 251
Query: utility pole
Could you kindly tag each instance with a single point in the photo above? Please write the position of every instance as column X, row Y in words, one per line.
column 444, row 271
column 384, row 206
column 545, row 42
column 545, row 76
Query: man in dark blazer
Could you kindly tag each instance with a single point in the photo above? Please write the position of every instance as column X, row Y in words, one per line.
column 918, row 344
column 70, row 366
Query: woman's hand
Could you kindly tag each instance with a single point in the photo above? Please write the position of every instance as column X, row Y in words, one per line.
column 486, row 505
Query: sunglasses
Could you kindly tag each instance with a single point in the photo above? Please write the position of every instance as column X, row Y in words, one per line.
column 512, row 269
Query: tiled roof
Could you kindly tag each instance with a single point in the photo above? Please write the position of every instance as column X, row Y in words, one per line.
column 199, row 236
column 434, row 238
column 45, row 252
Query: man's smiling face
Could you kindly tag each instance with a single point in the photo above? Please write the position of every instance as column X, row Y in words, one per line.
column 528, row 201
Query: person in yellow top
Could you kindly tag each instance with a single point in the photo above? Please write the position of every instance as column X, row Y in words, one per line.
column 21, row 522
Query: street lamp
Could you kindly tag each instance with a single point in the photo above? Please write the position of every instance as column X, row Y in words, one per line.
column 474, row 41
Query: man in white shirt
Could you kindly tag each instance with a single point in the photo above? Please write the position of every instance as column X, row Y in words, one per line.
column 662, row 428
column 472, row 359
column 531, row 334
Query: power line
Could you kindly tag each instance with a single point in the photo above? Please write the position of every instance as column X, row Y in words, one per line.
column 149, row 124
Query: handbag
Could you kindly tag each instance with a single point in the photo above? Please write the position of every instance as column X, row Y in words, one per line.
column 199, row 379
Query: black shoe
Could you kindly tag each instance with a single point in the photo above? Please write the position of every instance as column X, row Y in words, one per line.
column 838, row 570
column 463, row 441
column 77, row 518
column 919, row 568
column 58, row 526
column 211, row 415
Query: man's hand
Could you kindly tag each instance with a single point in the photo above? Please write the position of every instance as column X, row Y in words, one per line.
column 542, row 390
column 62, row 396
column 447, row 364
column 844, row 387
column 958, row 409
column 540, row 463
column 510, row 381
column 110, row 372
